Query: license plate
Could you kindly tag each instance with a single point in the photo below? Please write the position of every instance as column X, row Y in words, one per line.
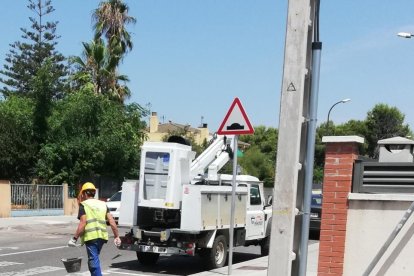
column 154, row 249
column 314, row 215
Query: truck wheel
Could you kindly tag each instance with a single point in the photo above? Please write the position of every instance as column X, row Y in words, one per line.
column 146, row 258
column 264, row 246
column 217, row 255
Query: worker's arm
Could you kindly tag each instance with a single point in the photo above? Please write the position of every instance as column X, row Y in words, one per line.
column 79, row 231
column 117, row 240
column 81, row 226
column 112, row 223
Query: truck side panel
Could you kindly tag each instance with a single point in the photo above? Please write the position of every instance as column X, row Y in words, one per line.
column 206, row 207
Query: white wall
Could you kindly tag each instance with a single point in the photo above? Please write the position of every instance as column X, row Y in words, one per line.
column 371, row 220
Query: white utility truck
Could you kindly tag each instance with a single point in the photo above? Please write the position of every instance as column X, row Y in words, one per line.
column 183, row 207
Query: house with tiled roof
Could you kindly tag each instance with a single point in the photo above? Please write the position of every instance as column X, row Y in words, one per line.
column 157, row 131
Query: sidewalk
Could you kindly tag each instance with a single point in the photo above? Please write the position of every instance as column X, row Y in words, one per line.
column 43, row 220
column 255, row 267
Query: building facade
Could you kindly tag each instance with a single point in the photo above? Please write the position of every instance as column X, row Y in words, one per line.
column 157, row 131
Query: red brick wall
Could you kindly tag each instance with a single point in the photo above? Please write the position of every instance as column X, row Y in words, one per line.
column 339, row 160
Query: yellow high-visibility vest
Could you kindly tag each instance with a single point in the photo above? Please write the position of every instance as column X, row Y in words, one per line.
column 95, row 220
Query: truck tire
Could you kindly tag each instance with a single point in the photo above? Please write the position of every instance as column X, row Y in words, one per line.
column 264, row 246
column 216, row 256
column 146, row 258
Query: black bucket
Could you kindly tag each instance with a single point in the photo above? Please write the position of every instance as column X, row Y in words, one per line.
column 72, row 264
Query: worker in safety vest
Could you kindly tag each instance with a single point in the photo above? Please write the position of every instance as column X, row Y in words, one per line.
column 92, row 217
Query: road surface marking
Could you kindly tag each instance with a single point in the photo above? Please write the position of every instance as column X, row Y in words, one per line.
column 8, row 263
column 31, row 251
column 32, row 271
column 115, row 271
column 52, row 222
column 13, row 248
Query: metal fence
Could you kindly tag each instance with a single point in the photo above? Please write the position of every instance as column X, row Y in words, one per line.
column 29, row 196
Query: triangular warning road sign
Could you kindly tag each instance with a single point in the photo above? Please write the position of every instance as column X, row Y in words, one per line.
column 236, row 121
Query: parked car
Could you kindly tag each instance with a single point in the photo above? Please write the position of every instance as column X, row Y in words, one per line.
column 114, row 203
column 316, row 211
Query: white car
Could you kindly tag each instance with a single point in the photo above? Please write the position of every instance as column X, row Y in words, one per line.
column 114, row 203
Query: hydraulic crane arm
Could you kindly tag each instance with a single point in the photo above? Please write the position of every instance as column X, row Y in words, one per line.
column 213, row 158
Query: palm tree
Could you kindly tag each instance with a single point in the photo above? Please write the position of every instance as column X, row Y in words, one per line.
column 111, row 18
column 97, row 70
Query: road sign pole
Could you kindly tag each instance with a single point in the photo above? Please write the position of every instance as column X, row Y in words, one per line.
column 235, row 123
column 233, row 203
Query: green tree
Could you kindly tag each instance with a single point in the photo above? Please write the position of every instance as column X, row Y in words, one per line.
column 27, row 56
column 262, row 145
column 91, row 135
column 352, row 127
column 96, row 70
column 255, row 162
column 265, row 138
column 111, row 18
column 383, row 122
column 319, row 158
column 43, row 86
column 17, row 149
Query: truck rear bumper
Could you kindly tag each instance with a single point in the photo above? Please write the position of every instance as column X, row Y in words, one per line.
column 156, row 249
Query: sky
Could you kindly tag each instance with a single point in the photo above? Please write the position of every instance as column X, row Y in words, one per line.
column 191, row 58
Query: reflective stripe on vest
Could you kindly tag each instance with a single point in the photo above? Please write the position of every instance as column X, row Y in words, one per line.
column 95, row 220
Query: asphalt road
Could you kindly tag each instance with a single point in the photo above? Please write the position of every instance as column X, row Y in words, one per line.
column 37, row 250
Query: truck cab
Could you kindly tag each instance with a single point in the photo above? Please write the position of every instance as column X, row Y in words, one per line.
column 257, row 213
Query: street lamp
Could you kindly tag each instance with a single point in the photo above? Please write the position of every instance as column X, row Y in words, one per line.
column 405, row 35
column 330, row 109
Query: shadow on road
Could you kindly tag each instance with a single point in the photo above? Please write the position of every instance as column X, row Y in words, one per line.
column 178, row 265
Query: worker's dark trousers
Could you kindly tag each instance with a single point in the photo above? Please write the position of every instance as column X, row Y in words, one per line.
column 93, row 248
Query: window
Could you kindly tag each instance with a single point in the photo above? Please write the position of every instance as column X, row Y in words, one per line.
column 156, row 174
column 255, row 198
column 116, row 197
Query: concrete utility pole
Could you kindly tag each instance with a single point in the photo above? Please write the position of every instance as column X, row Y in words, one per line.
column 284, row 256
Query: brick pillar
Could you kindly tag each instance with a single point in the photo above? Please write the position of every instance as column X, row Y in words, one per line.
column 340, row 153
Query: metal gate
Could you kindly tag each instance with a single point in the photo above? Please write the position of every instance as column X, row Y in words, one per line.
column 36, row 200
